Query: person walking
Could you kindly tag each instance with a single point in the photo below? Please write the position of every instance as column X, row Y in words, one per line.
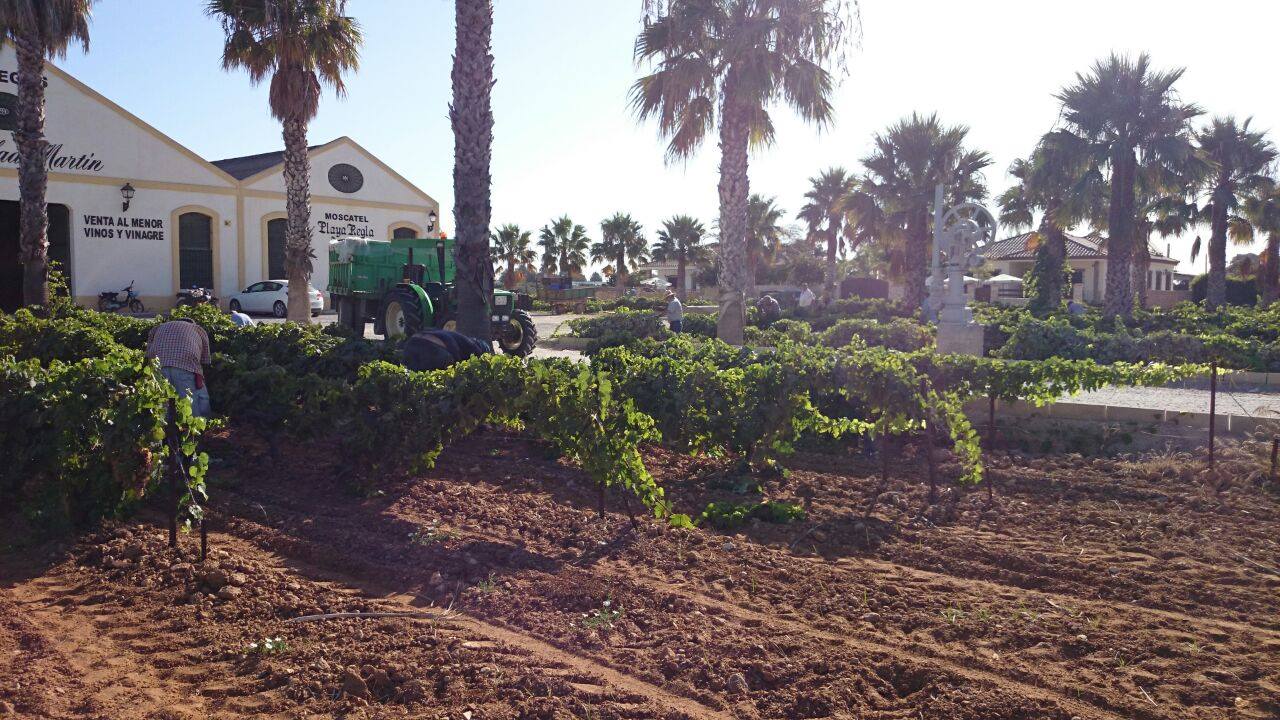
column 182, row 349
column 675, row 313
column 438, row 349
column 806, row 300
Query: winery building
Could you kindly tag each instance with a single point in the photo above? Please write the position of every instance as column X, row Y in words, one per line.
column 129, row 204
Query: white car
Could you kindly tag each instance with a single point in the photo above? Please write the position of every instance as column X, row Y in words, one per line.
column 271, row 296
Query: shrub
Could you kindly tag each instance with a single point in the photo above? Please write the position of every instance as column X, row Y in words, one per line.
column 618, row 328
column 85, row 439
column 898, row 334
column 1240, row 291
column 1036, row 339
column 700, row 324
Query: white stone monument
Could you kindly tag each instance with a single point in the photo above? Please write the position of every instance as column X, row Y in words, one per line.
column 959, row 236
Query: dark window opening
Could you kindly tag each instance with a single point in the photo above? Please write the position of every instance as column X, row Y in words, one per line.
column 195, row 250
column 276, row 230
column 404, row 233
column 11, row 270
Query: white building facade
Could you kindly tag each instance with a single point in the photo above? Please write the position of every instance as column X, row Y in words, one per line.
column 189, row 221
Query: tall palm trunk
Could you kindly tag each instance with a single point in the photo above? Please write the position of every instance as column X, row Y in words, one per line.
column 833, row 241
column 33, row 173
column 1269, row 271
column 620, row 272
column 472, row 117
column 297, row 243
column 735, row 187
column 1051, row 257
column 916, row 259
column 509, row 282
column 1215, row 295
column 1119, row 300
column 1142, row 261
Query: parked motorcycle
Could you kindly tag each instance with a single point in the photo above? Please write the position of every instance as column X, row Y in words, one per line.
column 110, row 301
column 196, row 296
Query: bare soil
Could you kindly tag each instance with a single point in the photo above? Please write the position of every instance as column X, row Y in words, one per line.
column 1088, row 589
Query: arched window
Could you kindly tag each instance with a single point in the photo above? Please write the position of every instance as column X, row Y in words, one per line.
column 195, row 250
column 404, row 232
column 275, row 248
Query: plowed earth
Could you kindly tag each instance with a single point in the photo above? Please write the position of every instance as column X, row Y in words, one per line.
column 1089, row 589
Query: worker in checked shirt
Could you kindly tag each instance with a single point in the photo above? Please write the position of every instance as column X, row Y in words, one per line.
column 182, row 348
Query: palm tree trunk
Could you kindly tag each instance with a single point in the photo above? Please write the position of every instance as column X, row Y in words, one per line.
column 829, row 284
column 1215, row 295
column 1119, row 300
column 297, row 243
column 472, row 118
column 1051, row 258
column 680, row 281
column 735, row 187
column 1142, row 262
column 1269, row 271
column 916, row 259
column 620, row 272
column 33, row 173
column 510, row 281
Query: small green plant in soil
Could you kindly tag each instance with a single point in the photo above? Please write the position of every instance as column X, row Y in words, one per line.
column 602, row 617
column 267, row 646
column 730, row 516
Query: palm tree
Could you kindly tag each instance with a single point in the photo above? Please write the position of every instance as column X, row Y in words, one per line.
column 38, row 29
column 725, row 63
column 910, row 160
column 300, row 44
column 1124, row 116
column 1239, row 158
column 623, row 244
column 471, row 115
column 1051, row 183
column 831, row 198
column 512, row 246
column 1262, row 211
column 765, row 234
column 680, row 239
column 564, row 247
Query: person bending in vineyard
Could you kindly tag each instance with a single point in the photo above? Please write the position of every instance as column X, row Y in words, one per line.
column 182, row 349
column 438, row 349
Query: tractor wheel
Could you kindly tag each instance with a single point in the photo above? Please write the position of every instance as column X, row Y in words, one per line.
column 518, row 335
column 401, row 313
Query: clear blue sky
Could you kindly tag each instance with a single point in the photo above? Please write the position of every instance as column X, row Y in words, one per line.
column 566, row 142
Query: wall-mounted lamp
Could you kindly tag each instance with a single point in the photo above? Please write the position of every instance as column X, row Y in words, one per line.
column 126, row 192
column 431, row 221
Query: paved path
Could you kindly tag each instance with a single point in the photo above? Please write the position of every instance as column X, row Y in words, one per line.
column 1183, row 400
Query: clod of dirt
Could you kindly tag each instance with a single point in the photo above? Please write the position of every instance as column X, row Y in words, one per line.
column 229, row 592
column 214, row 579
column 354, row 685
column 871, row 617
column 738, row 684
column 6, row 708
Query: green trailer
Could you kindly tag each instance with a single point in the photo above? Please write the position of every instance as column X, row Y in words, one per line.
column 406, row 285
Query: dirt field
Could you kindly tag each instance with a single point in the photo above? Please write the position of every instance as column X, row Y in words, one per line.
column 1091, row 589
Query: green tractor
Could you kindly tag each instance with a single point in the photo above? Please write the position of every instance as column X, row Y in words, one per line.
column 407, row 284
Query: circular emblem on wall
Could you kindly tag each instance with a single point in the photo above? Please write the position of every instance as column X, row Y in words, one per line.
column 8, row 111
column 345, row 178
